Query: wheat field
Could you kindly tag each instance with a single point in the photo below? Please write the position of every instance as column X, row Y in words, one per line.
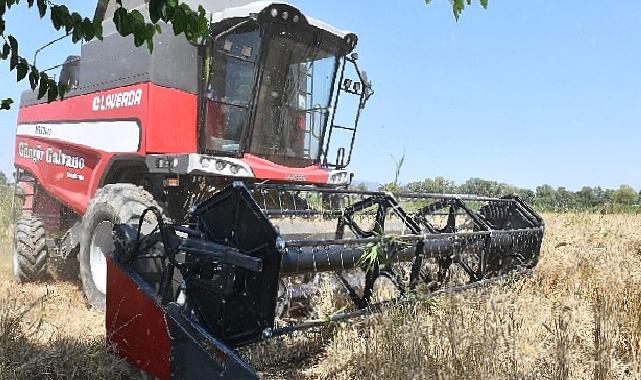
column 577, row 317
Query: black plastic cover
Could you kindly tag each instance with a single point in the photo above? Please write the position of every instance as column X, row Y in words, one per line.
column 242, row 307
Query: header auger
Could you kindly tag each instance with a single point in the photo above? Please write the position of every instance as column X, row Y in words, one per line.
column 221, row 275
column 204, row 187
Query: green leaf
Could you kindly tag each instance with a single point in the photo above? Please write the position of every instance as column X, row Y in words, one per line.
column 123, row 22
column 120, row 16
column 56, row 18
column 34, row 77
column 97, row 28
column 179, row 21
column 150, row 44
column 42, row 7
column 62, row 90
column 76, row 19
column 44, row 81
column 155, row 10
column 6, row 50
column 158, row 28
column 136, row 16
column 52, row 92
column 139, row 39
column 13, row 61
column 88, row 30
column 76, row 35
column 21, row 69
column 13, row 43
column 5, row 104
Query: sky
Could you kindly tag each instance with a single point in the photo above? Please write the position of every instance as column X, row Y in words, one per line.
column 525, row 92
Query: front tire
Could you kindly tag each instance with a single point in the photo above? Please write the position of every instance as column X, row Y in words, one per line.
column 113, row 204
column 30, row 252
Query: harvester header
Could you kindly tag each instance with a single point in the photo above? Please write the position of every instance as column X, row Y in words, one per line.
column 223, row 273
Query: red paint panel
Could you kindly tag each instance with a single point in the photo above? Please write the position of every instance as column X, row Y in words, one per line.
column 136, row 326
column 94, row 106
column 264, row 169
column 72, row 186
column 172, row 123
column 168, row 116
column 168, row 125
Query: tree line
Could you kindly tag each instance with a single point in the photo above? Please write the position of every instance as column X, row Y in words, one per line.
column 544, row 197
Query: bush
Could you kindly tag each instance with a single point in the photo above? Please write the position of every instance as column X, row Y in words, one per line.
column 6, row 220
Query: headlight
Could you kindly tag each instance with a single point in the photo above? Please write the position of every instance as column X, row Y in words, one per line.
column 339, row 178
column 220, row 165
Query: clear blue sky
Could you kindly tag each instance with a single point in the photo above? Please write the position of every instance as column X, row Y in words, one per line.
column 527, row 92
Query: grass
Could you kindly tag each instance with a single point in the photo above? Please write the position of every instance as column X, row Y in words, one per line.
column 577, row 317
column 46, row 330
column 6, row 221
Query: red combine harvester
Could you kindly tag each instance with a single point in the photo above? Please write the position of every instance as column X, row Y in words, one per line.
column 193, row 184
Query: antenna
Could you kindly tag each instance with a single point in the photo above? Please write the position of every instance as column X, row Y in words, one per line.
column 35, row 56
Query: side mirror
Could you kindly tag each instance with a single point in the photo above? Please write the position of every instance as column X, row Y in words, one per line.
column 368, row 91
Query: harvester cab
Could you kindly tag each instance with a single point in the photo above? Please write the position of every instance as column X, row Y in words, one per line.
column 272, row 85
column 203, row 189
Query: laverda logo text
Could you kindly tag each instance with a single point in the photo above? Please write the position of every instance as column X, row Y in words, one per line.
column 51, row 156
column 119, row 100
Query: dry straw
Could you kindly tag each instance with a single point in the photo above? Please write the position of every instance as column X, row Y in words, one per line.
column 577, row 317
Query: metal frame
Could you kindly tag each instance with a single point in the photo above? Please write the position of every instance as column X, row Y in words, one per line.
column 365, row 94
column 234, row 257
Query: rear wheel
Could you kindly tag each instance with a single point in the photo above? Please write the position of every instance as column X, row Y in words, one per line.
column 113, row 204
column 30, row 250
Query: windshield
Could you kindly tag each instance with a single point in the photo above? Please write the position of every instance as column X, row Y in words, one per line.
column 231, row 77
column 293, row 100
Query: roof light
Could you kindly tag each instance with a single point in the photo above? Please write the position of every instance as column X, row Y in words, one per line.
column 285, row 15
column 274, row 12
column 296, row 18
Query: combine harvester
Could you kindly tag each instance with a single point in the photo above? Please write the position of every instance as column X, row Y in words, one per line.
column 196, row 185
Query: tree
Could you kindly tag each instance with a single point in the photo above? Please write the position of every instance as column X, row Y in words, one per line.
column 546, row 196
column 193, row 24
column 587, row 197
column 565, row 198
column 526, row 194
column 3, row 179
column 626, row 195
column 438, row 185
column 458, row 6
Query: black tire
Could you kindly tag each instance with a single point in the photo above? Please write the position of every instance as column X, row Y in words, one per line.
column 30, row 252
column 115, row 204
